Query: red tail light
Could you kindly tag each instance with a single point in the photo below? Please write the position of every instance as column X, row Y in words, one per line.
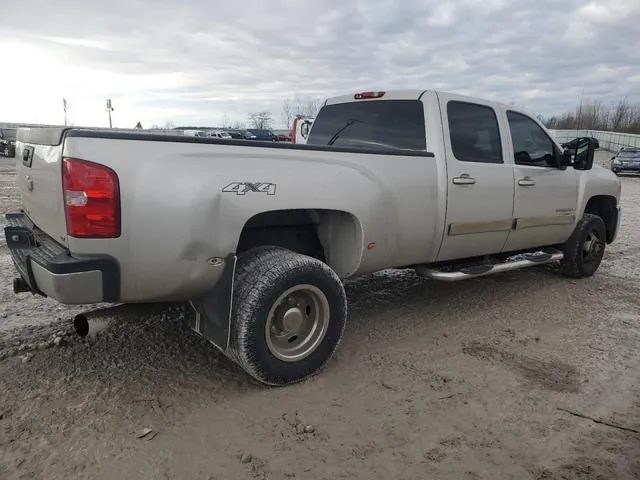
column 91, row 199
column 366, row 95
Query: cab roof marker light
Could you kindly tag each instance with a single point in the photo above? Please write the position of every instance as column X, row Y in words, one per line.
column 367, row 95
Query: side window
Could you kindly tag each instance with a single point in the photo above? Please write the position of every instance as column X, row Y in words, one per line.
column 474, row 131
column 531, row 145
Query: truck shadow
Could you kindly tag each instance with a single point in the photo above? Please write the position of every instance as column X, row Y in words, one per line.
column 151, row 345
column 150, row 361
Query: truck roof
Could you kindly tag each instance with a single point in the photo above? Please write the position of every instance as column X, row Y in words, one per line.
column 406, row 94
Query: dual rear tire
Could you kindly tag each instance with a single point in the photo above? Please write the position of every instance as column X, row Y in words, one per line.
column 288, row 315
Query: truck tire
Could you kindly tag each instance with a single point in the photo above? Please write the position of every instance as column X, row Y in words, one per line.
column 288, row 315
column 584, row 250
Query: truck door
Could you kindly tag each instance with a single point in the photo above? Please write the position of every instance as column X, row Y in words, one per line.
column 545, row 195
column 480, row 180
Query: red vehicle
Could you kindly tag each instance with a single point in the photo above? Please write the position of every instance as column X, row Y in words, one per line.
column 280, row 137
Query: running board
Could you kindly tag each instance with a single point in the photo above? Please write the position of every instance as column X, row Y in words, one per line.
column 519, row 261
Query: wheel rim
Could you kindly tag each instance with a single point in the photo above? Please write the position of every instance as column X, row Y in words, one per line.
column 593, row 246
column 297, row 323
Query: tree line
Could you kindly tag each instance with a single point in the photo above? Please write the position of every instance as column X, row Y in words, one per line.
column 622, row 116
column 298, row 105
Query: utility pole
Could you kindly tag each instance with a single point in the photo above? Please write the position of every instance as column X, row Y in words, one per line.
column 579, row 119
column 64, row 107
column 109, row 110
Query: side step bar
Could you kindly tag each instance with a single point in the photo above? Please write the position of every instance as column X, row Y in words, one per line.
column 520, row 261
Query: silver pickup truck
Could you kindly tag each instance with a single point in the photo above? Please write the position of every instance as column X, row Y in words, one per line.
column 258, row 236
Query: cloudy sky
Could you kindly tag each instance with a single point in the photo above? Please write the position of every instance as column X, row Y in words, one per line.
column 198, row 61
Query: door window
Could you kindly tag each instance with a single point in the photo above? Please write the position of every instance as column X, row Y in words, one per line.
column 474, row 132
column 531, row 145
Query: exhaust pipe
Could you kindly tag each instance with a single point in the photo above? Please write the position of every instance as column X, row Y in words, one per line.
column 89, row 324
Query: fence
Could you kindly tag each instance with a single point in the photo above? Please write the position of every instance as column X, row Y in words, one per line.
column 612, row 141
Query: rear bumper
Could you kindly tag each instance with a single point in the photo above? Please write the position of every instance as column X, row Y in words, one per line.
column 50, row 270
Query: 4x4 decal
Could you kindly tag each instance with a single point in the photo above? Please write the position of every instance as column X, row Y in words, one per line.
column 241, row 188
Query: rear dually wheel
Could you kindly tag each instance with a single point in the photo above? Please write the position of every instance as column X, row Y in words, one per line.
column 288, row 316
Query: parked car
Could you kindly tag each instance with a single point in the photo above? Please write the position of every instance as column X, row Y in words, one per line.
column 280, row 137
column 627, row 160
column 220, row 134
column 8, row 142
column 235, row 133
column 258, row 238
column 263, row 134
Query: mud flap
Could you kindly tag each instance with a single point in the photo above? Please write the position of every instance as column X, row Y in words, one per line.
column 210, row 315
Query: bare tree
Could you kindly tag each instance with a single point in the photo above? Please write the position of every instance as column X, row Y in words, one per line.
column 312, row 106
column 288, row 112
column 238, row 125
column 298, row 105
column 622, row 116
column 620, row 113
column 260, row 120
column 169, row 124
column 226, row 121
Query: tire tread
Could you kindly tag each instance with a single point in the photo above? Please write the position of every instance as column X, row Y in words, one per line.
column 570, row 265
column 257, row 271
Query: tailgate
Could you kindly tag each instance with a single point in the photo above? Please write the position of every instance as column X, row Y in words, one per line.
column 39, row 179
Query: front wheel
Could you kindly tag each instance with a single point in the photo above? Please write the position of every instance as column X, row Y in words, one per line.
column 288, row 316
column 584, row 250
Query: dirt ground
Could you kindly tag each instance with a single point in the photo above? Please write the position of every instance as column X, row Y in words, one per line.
column 483, row 379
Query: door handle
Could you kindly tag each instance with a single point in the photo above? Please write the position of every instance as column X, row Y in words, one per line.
column 526, row 182
column 464, row 179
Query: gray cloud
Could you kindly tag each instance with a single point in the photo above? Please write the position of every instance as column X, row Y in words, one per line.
column 194, row 62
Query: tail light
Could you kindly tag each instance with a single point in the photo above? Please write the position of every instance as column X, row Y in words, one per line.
column 366, row 95
column 91, row 199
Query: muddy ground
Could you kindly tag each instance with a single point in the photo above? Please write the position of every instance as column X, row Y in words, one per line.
column 483, row 379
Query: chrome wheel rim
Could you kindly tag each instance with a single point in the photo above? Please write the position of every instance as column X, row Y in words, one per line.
column 297, row 323
column 592, row 247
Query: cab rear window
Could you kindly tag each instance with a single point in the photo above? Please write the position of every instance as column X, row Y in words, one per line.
column 378, row 125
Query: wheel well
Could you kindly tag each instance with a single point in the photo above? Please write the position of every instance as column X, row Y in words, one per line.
column 605, row 207
column 332, row 236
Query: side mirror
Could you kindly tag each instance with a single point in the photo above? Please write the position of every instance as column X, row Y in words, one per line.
column 584, row 153
column 566, row 159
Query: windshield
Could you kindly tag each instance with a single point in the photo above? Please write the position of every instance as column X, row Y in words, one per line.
column 8, row 133
column 629, row 154
column 381, row 125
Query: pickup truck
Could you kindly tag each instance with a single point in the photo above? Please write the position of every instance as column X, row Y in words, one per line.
column 258, row 237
